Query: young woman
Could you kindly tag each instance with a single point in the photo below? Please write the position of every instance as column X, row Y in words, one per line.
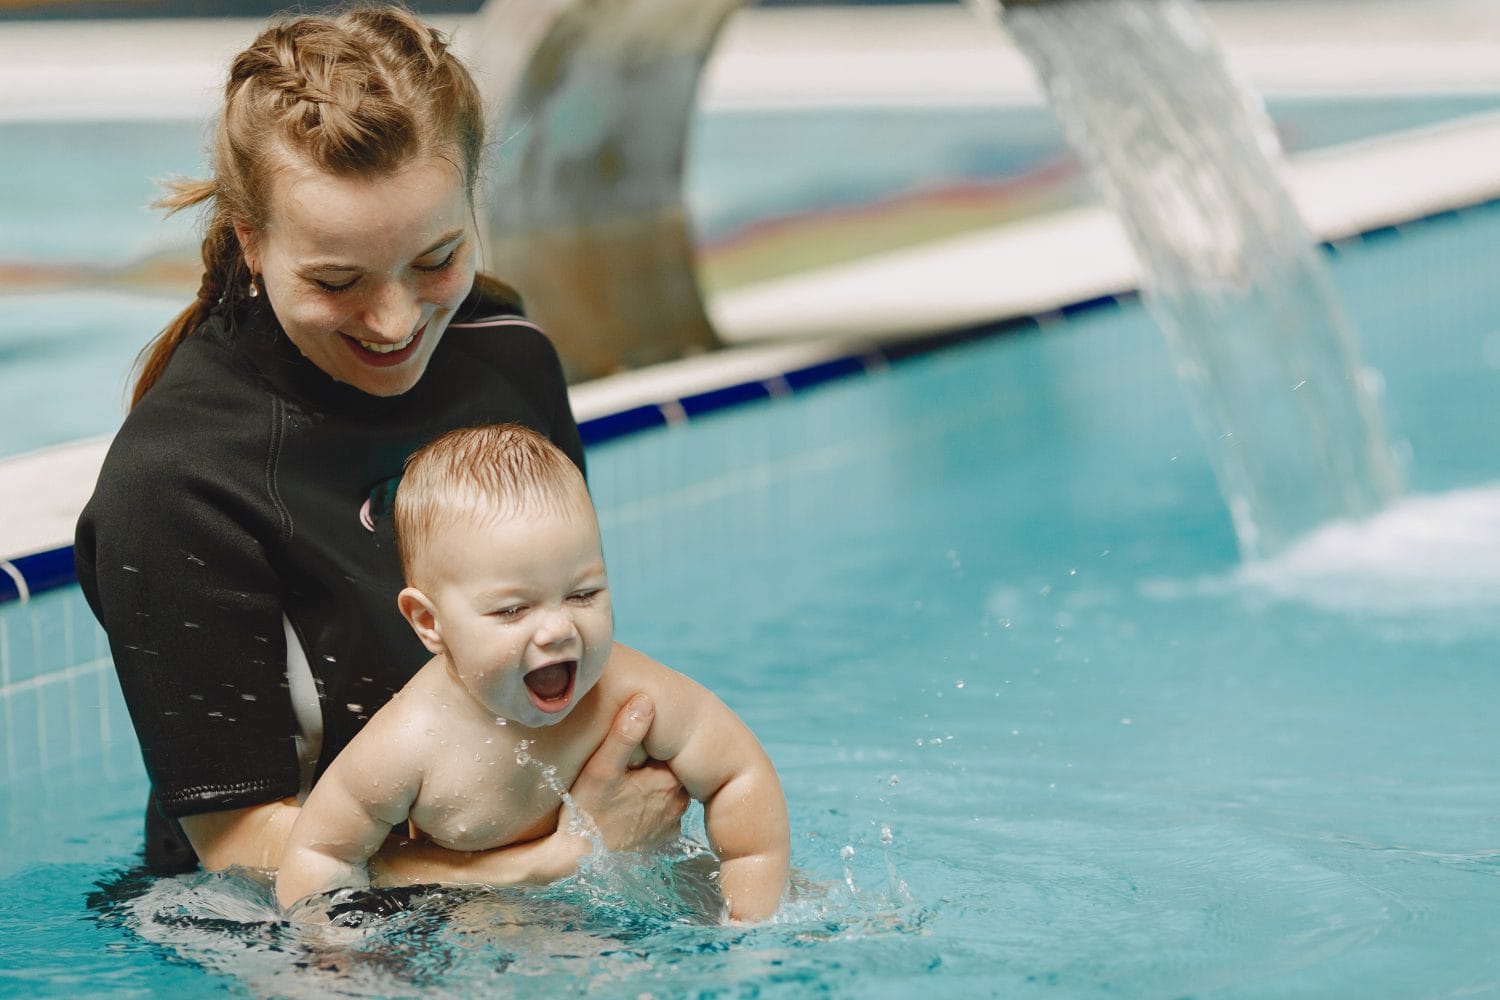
column 238, row 546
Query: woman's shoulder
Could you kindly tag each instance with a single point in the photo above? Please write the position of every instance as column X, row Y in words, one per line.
column 205, row 420
column 496, row 308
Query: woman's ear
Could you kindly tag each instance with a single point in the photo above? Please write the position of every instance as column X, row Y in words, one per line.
column 246, row 237
column 422, row 616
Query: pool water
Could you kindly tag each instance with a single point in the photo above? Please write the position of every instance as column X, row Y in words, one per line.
column 1040, row 732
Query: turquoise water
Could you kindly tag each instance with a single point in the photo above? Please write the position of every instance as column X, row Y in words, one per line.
column 1041, row 733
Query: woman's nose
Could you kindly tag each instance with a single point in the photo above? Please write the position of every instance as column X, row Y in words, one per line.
column 394, row 312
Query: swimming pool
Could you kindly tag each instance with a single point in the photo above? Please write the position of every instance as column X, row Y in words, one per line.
column 1041, row 733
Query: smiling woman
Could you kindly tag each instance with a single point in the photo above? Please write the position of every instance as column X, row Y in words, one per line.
column 365, row 273
column 238, row 545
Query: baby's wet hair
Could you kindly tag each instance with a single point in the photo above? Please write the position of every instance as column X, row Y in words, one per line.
column 495, row 471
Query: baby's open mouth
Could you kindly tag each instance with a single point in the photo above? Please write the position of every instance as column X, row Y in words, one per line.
column 551, row 686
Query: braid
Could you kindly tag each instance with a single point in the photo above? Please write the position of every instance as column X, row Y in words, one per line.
column 361, row 94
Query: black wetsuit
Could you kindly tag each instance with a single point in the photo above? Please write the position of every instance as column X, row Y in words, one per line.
column 247, row 486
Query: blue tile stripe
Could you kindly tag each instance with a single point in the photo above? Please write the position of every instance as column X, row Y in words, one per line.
column 41, row 571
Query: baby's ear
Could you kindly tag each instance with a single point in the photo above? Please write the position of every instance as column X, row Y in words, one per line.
column 419, row 611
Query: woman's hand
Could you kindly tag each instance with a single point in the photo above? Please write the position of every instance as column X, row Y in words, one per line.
column 635, row 804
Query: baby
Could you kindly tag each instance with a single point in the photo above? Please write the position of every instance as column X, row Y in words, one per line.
column 506, row 586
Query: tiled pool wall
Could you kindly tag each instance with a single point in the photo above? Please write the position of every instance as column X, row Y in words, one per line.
column 59, row 700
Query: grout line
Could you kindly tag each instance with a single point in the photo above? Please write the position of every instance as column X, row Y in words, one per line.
column 61, row 675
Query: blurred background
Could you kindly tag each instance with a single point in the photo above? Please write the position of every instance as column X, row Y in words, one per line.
column 825, row 134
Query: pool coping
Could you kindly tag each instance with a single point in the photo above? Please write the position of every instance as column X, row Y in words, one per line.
column 1363, row 190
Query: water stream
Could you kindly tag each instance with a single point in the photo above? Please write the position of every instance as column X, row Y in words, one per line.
column 1186, row 156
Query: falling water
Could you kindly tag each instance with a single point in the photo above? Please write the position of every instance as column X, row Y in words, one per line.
column 1186, row 156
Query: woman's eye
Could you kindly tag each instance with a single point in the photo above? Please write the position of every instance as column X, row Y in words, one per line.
column 335, row 286
column 440, row 265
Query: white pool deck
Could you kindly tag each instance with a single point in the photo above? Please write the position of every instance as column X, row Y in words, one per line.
column 842, row 57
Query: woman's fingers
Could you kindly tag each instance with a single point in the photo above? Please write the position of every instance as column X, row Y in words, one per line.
column 623, row 741
column 632, row 807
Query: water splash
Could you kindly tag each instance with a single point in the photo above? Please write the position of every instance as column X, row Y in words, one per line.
column 1429, row 563
column 1186, row 156
column 1428, row 554
column 636, row 925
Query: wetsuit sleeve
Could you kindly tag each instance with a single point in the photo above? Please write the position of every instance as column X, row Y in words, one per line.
column 171, row 554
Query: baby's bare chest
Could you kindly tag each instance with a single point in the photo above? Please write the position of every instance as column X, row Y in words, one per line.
column 497, row 790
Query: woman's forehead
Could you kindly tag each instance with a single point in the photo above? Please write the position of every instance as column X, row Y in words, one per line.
column 325, row 212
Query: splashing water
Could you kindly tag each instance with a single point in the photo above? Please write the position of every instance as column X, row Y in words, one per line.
column 1186, row 156
column 1429, row 564
column 635, row 925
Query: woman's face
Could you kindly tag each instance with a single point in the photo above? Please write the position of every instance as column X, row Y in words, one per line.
column 365, row 273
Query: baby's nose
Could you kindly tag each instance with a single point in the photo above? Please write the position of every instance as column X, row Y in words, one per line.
column 556, row 626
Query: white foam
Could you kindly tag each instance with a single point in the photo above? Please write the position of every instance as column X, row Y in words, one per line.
column 1427, row 553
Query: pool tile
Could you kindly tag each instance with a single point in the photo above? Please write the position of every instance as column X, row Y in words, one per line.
column 52, row 643
column 57, row 722
column 18, row 644
column 22, row 743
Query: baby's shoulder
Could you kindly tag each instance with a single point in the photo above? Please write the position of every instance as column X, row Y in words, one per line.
column 631, row 672
column 420, row 713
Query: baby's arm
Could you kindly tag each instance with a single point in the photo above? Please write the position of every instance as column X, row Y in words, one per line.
column 347, row 816
column 723, row 765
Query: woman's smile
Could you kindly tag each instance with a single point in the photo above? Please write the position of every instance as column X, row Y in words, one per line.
column 384, row 355
column 364, row 274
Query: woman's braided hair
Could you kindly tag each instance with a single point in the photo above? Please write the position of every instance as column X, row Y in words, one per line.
column 360, row 94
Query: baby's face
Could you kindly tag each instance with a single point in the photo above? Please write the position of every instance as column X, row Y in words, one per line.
column 523, row 607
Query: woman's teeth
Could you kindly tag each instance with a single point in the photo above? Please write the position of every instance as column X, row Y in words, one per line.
column 387, row 348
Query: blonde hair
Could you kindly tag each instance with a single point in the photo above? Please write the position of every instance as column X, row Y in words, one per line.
column 495, row 471
column 360, row 94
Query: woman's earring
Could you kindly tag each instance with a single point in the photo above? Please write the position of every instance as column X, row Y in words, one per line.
column 254, row 288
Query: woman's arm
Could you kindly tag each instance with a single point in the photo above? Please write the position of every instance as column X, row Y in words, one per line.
column 633, row 809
